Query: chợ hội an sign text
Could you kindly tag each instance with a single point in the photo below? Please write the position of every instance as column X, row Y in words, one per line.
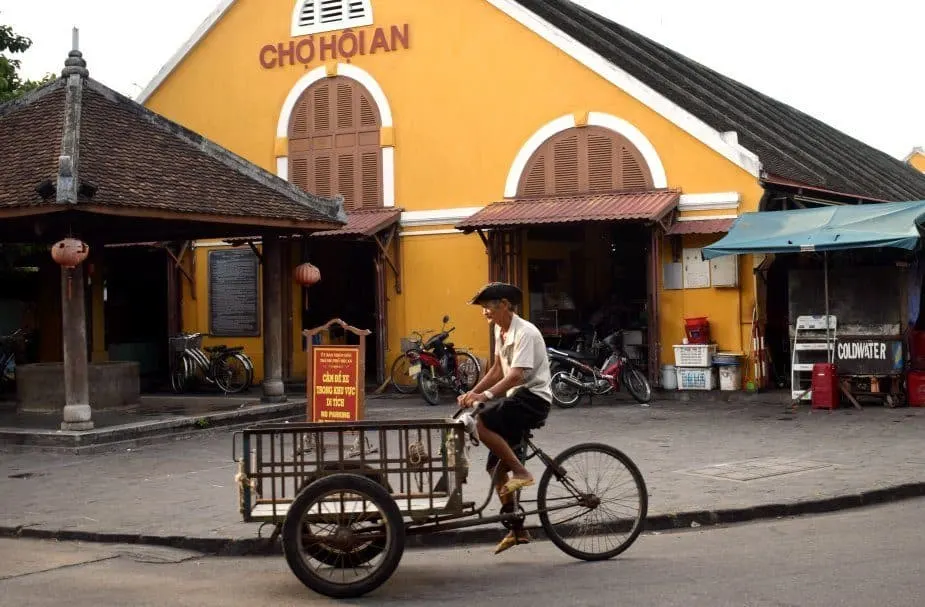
column 335, row 383
column 338, row 46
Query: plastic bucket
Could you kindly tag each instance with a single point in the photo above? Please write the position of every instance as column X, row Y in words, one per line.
column 697, row 330
column 669, row 377
column 730, row 377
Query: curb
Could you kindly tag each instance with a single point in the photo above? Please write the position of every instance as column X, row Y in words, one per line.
column 261, row 546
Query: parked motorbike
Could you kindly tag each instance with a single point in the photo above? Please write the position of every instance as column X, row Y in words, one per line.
column 575, row 374
column 437, row 364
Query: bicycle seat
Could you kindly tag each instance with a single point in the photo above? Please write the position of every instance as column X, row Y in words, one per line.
column 218, row 348
column 449, row 344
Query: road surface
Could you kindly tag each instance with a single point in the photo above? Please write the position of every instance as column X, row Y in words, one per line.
column 873, row 556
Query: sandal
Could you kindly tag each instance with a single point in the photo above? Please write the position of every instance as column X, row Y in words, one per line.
column 511, row 540
column 515, row 484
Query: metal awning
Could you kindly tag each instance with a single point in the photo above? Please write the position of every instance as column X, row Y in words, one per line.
column 831, row 228
column 364, row 223
column 651, row 205
column 701, row 226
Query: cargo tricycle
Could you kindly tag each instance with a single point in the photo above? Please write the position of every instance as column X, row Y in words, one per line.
column 343, row 496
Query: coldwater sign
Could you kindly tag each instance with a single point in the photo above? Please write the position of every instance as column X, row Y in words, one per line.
column 869, row 356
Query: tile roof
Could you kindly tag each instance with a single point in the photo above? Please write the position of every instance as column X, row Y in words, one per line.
column 701, row 226
column 365, row 222
column 617, row 206
column 140, row 162
column 788, row 142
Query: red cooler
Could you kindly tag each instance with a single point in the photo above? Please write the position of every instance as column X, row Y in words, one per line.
column 698, row 330
column 826, row 393
column 915, row 388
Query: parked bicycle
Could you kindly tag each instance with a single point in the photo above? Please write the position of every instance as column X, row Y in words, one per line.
column 10, row 346
column 400, row 376
column 228, row 368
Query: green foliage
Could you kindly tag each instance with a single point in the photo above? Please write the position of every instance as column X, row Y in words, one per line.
column 11, row 85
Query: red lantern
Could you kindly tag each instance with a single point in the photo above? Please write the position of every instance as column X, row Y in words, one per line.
column 306, row 274
column 69, row 252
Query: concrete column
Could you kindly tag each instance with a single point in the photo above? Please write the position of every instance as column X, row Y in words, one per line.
column 77, row 415
column 273, row 388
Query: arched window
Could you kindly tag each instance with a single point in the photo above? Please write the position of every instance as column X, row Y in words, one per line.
column 334, row 143
column 584, row 160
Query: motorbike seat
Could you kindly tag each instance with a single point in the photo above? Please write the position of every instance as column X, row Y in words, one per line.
column 573, row 354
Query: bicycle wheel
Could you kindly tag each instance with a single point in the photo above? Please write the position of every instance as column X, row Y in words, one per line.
column 231, row 373
column 592, row 502
column 430, row 389
column 637, row 385
column 249, row 365
column 181, row 376
column 348, row 519
column 468, row 370
column 564, row 394
column 400, row 377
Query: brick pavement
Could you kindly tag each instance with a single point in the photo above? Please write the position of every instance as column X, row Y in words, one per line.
column 764, row 456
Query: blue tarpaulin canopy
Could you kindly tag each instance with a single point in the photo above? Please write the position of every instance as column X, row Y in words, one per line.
column 892, row 224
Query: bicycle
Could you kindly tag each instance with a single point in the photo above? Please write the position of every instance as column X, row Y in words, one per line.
column 228, row 368
column 344, row 517
column 10, row 345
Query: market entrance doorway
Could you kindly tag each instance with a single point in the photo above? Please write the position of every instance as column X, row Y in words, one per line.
column 591, row 277
column 347, row 290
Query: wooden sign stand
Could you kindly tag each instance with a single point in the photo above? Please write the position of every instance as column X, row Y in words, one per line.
column 354, row 379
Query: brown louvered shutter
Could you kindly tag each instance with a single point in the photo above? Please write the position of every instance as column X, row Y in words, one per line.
column 601, row 167
column 566, row 165
column 347, row 180
column 339, row 151
column 635, row 175
column 535, row 184
column 322, row 175
column 371, row 178
column 584, row 160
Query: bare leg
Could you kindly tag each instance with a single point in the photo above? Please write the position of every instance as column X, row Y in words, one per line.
column 499, row 447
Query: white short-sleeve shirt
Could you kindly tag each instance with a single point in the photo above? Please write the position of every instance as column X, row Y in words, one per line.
column 525, row 347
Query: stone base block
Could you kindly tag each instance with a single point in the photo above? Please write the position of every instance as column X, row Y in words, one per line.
column 113, row 385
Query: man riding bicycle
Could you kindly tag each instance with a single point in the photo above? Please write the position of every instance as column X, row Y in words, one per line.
column 519, row 377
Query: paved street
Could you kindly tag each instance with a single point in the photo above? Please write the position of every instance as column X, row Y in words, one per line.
column 694, row 456
column 864, row 557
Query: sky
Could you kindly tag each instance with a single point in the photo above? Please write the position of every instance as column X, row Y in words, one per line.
column 856, row 66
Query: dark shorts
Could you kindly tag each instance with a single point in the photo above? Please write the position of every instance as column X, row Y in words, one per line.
column 512, row 417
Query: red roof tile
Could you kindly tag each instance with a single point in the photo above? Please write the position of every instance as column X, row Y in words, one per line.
column 365, row 222
column 616, row 206
column 701, row 226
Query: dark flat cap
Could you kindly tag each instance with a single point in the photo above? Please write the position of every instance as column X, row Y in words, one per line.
column 498, row 291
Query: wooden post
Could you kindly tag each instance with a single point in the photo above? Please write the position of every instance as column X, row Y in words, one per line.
column 77, row 413
column 360, row 378
column 273, row 388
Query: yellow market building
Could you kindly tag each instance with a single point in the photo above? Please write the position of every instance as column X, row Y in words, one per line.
column 529, row 140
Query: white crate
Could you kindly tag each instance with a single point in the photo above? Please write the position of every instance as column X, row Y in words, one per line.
column 694, row 355
column 696, row 378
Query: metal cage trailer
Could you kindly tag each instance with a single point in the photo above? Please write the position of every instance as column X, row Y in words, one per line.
column 344, row 495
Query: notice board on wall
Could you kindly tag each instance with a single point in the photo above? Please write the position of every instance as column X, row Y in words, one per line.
column 234, row 293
